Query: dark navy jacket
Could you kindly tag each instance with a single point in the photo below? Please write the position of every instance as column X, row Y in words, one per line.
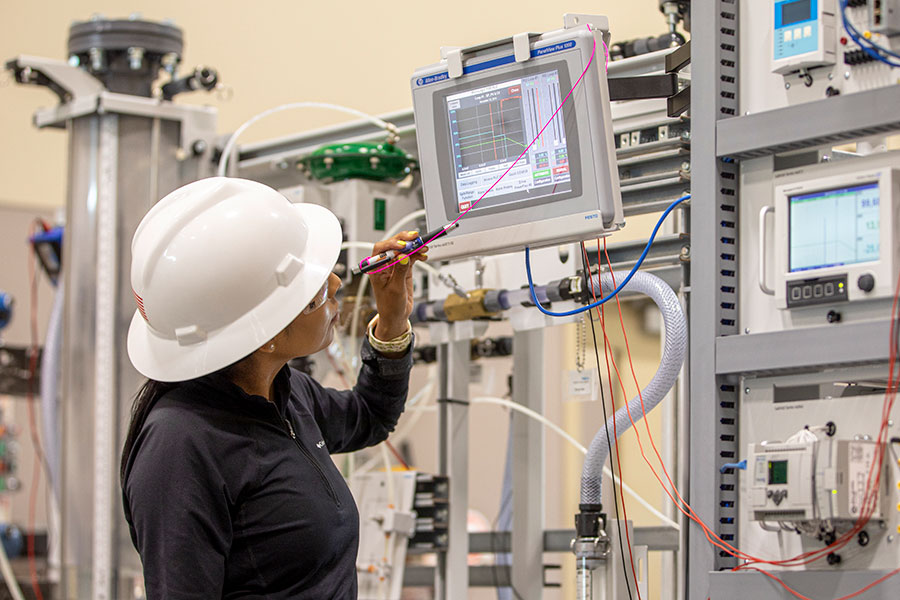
column 228, row 495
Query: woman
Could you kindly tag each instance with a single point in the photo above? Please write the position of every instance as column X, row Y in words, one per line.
column 228, row 485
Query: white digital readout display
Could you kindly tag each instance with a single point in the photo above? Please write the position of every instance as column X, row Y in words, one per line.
column 834, row 227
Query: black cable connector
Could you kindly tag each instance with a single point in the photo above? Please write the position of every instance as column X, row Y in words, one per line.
column 589, row 520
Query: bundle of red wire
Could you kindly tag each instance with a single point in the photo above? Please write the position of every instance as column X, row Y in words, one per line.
column 873, row 479
column 682, row 505
column 872, row 483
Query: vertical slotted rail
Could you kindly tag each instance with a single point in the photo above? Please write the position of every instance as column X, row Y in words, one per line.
column 528, row 466
column 105, row 399
column 452, row 573
column 713, row 297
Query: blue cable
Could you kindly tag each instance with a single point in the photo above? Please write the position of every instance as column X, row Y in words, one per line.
column 621, row 285
column 869, row 47
column 737, row 465
column 851, row 28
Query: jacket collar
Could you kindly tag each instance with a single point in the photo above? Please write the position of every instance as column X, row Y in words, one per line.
column 232, row 395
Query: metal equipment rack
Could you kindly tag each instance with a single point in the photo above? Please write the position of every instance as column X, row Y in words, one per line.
column 653, row 174
column 719, row 353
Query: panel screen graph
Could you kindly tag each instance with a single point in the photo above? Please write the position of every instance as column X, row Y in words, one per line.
column 482, row 141
column 834, row 227
column 491, row 126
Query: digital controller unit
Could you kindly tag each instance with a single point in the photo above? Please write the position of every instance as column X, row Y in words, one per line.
column 836, row 239
column 803, row 34
column 515, row 141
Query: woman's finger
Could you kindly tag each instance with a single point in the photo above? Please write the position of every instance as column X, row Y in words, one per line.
column 397, row 243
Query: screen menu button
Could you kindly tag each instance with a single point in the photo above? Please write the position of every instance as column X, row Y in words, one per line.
column 810, row 292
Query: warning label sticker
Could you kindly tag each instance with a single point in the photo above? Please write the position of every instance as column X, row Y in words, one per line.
column 859, row 461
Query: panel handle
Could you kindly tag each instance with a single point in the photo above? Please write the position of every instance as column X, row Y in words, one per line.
column 762, row 250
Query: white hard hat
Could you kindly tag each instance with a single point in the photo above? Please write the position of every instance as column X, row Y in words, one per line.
column 218, row 268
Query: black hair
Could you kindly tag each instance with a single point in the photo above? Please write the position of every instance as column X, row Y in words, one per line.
column 144, row 401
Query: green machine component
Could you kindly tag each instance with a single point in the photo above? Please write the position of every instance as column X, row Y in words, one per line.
column 358, row 160
column 379, row 210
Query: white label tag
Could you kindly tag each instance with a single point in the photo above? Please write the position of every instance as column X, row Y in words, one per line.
column 583, row 385
column 859, row 459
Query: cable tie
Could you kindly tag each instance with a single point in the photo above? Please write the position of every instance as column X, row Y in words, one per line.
column 453, row 401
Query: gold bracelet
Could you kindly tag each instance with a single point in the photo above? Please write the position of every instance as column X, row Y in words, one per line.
column 398, row 344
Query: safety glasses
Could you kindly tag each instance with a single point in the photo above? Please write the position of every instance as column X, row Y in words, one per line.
column 318, row 300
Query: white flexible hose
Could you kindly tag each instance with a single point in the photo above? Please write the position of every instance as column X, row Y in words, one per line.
column 531, row 414
column 419, row 409
column 566, row 436
column 416, row 214
column 50, row 361
column 674, row 348
column 229, row 146
column 9, row 576
column 50, row 422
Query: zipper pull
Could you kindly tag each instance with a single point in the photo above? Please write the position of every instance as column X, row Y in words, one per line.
column 291, row 429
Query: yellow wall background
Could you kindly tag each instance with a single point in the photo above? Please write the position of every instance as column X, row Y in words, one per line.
column 357, row 53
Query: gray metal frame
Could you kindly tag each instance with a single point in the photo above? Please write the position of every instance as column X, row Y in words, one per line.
column 720, row 354
column 658, row 172
column 863, row 343
column 528, row 469
column 713, row 298
column 111, row 185
column 825, row 121
column 451, row 581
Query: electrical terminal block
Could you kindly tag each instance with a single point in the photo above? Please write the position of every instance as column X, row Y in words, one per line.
column 432, row 513
column 857, row 57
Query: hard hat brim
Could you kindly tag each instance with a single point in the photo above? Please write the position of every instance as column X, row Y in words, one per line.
column 163, row 358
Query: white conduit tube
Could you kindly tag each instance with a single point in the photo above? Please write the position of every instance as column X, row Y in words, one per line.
column 416, row 214
column 50, row 388
column 674, row 349
column 50, row 421
column 230, row 144
column 10, row 577
column 566, row 436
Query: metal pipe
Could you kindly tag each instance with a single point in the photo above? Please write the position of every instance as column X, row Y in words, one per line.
column 584, row 580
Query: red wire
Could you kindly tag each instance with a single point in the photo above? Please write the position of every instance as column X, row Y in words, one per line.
column 539, row 134
column 612, row 401
column 35, row 439
column 871, row 490
column 871, row 494
column 797, row 594
column 397, row 455
column 678, row 503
